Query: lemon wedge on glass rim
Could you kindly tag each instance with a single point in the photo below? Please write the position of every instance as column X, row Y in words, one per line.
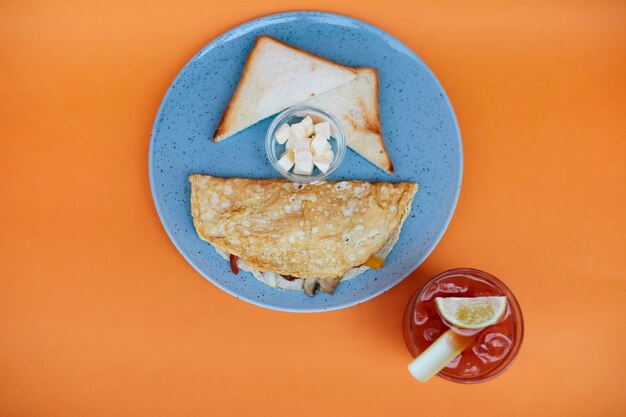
column 471, row 313
column 474, row 313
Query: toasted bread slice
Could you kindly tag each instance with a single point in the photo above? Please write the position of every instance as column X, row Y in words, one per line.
column 356, row 107
column 276, row 76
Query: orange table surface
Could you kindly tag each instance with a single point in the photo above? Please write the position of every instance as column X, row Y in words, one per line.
column 101, row 316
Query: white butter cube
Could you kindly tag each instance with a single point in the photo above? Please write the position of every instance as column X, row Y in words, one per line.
column 282, row 134
column 303, row 163
column 319, row 144
column 302, row 144
column 323, row 160
column 308, row 125
column 298, row 130
column 322, row 130
column 291, row 142
column 287, row 160
column 328, row 154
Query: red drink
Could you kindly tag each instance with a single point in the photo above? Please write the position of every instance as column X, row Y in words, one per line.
column 492, row 349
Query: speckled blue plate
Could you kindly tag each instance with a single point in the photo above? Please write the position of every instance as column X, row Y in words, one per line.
column 419, row 127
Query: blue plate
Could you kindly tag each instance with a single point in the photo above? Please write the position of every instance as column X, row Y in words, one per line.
column 419, row 127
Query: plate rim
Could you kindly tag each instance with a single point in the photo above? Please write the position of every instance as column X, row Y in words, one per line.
column 301, row 14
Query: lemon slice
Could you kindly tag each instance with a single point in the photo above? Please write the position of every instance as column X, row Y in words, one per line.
column 471, row 313
column 438, row 355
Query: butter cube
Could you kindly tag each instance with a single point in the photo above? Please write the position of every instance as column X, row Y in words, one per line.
column 302, row 144
column 286, row 161
column 303, row 163
column 308, row 125
column 282, row 134
column 298, row 130
column 324, row 160
column 322, row 130
column 319, row 144
column 291, row 142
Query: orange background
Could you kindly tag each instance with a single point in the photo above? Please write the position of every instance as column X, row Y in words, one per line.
column 101, row 316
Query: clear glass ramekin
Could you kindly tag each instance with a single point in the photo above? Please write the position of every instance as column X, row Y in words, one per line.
column 294, row 115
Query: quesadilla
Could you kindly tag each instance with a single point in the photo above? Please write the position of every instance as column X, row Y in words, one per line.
column 277, row 76
column 355, row 105
column 301, row 237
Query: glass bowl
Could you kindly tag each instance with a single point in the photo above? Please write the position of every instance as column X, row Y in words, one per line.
column 513, row 305
column 294, row 115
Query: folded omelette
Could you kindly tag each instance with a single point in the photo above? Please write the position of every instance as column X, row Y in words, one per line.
column 301, row 237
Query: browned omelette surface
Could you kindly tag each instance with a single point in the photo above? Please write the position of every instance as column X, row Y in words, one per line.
column 306, row 231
